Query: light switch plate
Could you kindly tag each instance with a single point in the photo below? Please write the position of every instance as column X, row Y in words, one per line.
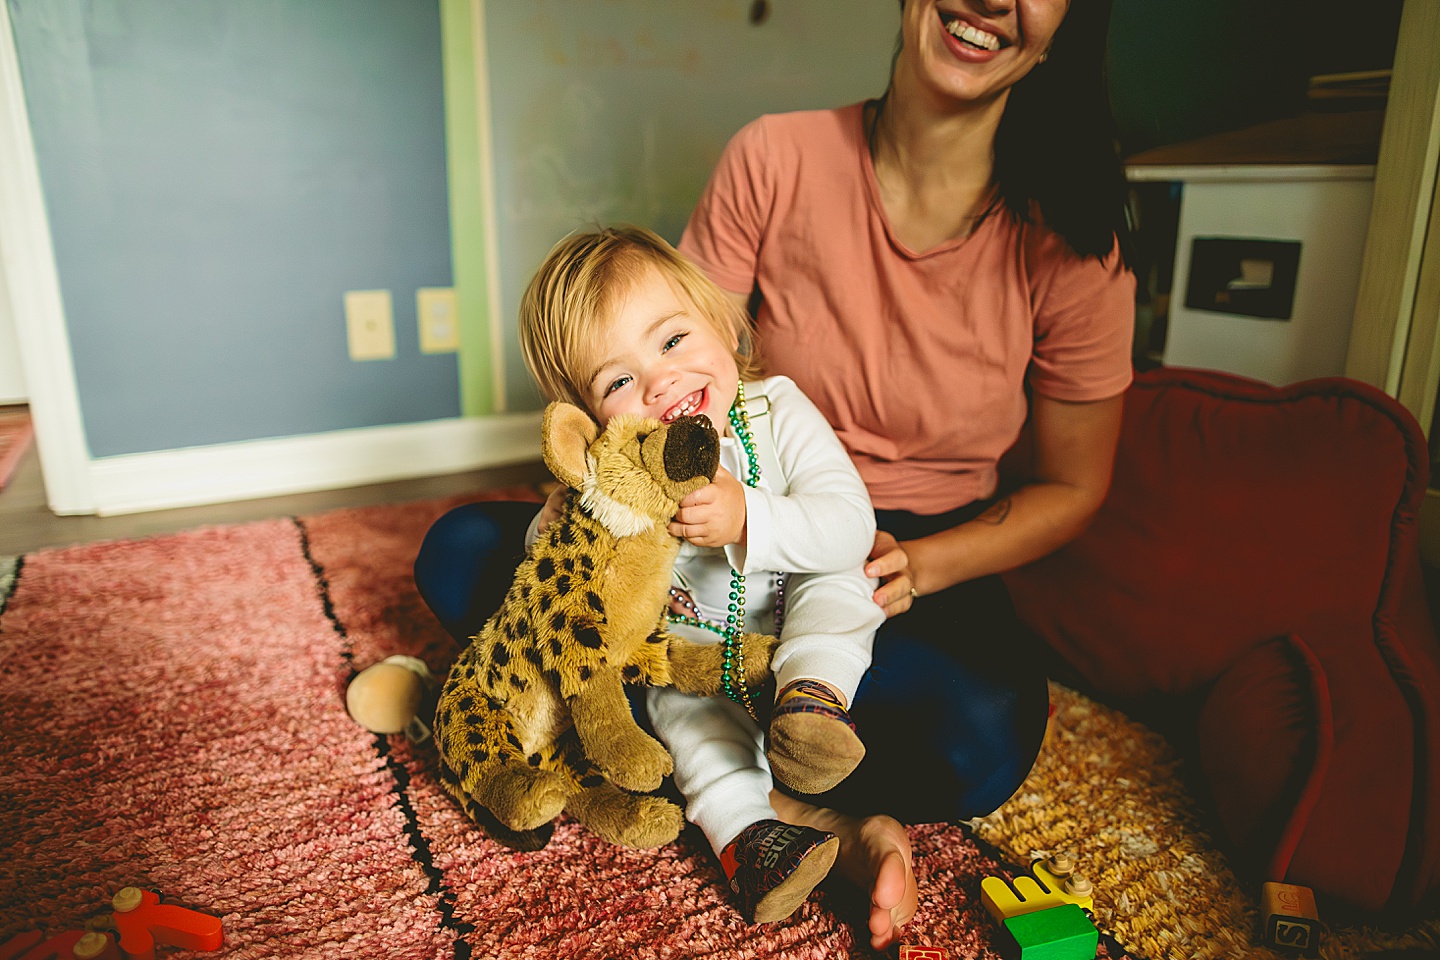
column 370, row 323
column 438, row 311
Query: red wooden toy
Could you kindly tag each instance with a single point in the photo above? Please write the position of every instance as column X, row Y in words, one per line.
column 71, row 945
column 143, row 921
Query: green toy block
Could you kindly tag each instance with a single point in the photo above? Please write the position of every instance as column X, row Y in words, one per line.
column 1059, row 933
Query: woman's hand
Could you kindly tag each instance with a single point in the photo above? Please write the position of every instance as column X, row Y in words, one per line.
column 714, row 515
column 554, row 506
column 891, row 563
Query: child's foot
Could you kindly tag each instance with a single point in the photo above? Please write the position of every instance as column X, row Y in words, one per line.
column 874, row 855
column 812, row 744
column 773, row 866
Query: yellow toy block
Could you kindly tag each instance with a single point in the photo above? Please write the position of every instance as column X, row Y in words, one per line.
column 1028, row 895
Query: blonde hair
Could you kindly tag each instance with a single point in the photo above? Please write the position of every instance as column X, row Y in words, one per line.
column 576, row 288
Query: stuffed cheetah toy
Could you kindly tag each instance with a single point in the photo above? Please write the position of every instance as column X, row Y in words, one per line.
column 533, row 719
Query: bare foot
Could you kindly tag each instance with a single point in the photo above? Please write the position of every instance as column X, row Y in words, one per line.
column 874, row 855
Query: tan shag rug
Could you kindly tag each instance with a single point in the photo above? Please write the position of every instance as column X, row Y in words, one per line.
column 1110, row 789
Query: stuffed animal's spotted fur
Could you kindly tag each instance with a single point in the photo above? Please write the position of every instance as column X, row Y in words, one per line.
column 533, row 719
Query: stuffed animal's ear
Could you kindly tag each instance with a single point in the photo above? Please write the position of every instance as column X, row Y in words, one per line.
column 565, row 438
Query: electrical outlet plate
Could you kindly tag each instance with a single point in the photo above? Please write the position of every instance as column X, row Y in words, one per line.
column 370, row 323
column 438, row 311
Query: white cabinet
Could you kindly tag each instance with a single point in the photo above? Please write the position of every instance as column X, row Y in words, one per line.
column 1238, row 224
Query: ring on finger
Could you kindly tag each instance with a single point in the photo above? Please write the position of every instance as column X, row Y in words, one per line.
column 914, row 594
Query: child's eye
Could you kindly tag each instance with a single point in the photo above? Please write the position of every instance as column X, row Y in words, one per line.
column 673, row 341
column 616, row 384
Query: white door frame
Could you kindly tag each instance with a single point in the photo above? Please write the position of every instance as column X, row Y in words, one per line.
column 27, row 259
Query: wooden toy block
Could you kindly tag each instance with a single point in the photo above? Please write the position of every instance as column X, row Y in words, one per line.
column 19, row 943
column 1055, row 883
column 143, row 920
column 1058, row 933
column 1289, row 919
column 1026, row 896
column 71, row 945
column 908, row 952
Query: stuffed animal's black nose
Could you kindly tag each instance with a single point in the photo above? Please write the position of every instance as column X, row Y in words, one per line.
column 692, row 449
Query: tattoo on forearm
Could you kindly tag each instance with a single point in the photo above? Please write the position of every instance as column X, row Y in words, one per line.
column 996, row 513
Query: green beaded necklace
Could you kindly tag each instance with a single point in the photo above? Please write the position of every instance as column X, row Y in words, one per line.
column 732, row 670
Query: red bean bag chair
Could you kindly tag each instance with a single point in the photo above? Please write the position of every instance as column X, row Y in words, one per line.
column 1258, row 556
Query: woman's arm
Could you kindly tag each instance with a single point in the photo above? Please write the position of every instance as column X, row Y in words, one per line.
column 1074, row 454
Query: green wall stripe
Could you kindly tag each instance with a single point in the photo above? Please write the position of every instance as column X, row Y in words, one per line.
column 468, row 252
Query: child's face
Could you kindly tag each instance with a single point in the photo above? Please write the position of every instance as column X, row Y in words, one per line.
column 658, row 357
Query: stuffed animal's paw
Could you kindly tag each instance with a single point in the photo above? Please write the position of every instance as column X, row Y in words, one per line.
column 636, row 763
column 628, row 819
column 523, row 798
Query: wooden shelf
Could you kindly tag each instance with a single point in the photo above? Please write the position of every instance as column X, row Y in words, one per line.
column 1313, row 139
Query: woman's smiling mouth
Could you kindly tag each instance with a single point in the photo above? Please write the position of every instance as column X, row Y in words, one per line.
column 970, row 34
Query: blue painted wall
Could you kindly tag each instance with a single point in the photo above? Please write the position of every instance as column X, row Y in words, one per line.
column 217, row 174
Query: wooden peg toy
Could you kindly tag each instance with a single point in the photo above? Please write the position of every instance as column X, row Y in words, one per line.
column 94, row 945
column 1059, row 876
column 143, row 921
column 1056, row 933
column 1041, row 892
column 1289, row 919
column 71, row 945
column 907, row 952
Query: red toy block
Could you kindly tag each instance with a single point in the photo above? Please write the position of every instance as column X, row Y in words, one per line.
column 19, row 943
column 71, row 945
column 908, row 952
column 143, row 920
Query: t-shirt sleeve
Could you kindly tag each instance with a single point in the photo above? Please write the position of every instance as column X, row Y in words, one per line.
column 1084, row 323
column 723, row 235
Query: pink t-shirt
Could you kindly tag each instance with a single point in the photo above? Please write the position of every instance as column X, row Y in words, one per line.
column 919, row 361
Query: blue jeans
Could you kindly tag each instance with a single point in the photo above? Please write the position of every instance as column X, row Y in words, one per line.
column 952, row 709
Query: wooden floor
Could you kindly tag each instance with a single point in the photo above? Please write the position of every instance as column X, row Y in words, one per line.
column 26, row 523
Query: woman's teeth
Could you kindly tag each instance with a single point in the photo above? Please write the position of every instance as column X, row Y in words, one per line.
column 973, row 35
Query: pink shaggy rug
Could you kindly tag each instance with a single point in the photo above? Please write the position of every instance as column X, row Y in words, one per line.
column 175, row 720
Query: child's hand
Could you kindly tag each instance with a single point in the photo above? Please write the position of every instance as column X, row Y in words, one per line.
column 714, row 515
column 554, row 506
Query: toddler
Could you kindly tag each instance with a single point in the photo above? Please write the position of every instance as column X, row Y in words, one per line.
column 616, row 321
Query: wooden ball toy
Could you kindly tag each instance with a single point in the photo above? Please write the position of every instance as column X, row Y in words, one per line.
column 386, row 697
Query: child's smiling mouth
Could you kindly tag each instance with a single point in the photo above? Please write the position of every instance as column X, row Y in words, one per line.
column 686, row 407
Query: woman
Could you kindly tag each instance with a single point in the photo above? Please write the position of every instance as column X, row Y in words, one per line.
column 933, row 269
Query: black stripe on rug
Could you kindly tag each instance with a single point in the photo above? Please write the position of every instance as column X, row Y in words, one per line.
column 419, row 845
column 10, row 568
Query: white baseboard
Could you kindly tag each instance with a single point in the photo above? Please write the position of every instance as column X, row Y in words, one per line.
column 345, row 458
